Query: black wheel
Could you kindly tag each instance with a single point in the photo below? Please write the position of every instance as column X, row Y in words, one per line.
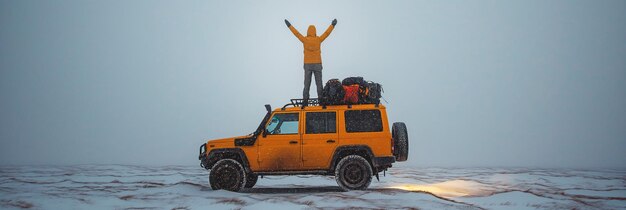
column 353, row 173
column 227, row 174
column 400, row 141
column 251, row 180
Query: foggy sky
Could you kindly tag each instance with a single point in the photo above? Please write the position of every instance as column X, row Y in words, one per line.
column 478, row 83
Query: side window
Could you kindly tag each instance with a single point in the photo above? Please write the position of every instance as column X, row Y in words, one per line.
column 363, row 121
column 321, row 122
column 283, row 123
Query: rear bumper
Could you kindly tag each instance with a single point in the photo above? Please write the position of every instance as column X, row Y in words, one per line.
column 385, row 161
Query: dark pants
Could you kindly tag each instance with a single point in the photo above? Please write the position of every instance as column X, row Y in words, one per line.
column 309, row 69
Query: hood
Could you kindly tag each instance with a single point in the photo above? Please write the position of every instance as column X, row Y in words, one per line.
column 311, row 31
column 224, row 140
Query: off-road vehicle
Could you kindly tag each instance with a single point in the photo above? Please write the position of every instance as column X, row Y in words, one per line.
column 351, row 142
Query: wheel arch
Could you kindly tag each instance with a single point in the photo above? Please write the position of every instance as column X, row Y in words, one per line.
column 343, row 151
column 236, row 154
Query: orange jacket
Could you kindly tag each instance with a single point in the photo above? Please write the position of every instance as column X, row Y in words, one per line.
column 312, row 43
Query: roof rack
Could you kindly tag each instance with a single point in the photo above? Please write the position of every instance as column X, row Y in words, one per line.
column 299, row 102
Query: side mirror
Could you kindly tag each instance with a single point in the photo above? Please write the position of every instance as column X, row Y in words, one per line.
column 264, row 133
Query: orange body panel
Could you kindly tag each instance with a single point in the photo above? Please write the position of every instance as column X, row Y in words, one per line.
column 317, row 149
column 278, row 152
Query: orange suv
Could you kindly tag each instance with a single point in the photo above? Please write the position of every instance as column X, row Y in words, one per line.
column 351, row 142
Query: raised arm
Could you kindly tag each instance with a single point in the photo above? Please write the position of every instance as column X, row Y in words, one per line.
column 330, row 29
column 294, row 31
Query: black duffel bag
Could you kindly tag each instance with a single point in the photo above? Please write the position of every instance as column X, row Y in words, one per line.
column 373, row 93
column 333, row 93
column 353, row 81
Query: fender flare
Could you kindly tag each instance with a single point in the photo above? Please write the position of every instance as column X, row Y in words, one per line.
column 219, row 154
column 342, row 151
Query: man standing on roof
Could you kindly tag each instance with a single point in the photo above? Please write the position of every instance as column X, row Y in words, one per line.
column 312, row 56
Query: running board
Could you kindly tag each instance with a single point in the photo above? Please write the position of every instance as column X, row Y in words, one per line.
column 313, row 172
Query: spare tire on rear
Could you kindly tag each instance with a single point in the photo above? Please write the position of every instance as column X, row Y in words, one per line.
column 400, row 141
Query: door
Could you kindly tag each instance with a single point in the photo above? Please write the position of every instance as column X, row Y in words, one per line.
column 280, row 149
column 319, row 139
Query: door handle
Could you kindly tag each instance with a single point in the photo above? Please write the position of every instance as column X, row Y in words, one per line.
column 330, row 141
column 293, row 142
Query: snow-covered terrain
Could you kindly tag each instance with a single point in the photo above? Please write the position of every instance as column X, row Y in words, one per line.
column 186, row 187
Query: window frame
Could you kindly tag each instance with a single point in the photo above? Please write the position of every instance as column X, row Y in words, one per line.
column 380, row 123
column 281, row 124
column 306, row 123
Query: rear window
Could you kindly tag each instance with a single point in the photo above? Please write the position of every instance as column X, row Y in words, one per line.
column 363, row 121
column 321, row 122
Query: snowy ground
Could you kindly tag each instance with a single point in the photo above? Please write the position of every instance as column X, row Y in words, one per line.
column 185, row 187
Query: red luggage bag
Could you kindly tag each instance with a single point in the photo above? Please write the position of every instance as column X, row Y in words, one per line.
column 352, row 94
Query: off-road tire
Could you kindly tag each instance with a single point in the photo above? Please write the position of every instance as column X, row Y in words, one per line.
column 251, row 180
column 400, row 141
column 227, row 174
column 353, row 173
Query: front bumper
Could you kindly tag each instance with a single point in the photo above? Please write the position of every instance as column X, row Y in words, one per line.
column 203, row 156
